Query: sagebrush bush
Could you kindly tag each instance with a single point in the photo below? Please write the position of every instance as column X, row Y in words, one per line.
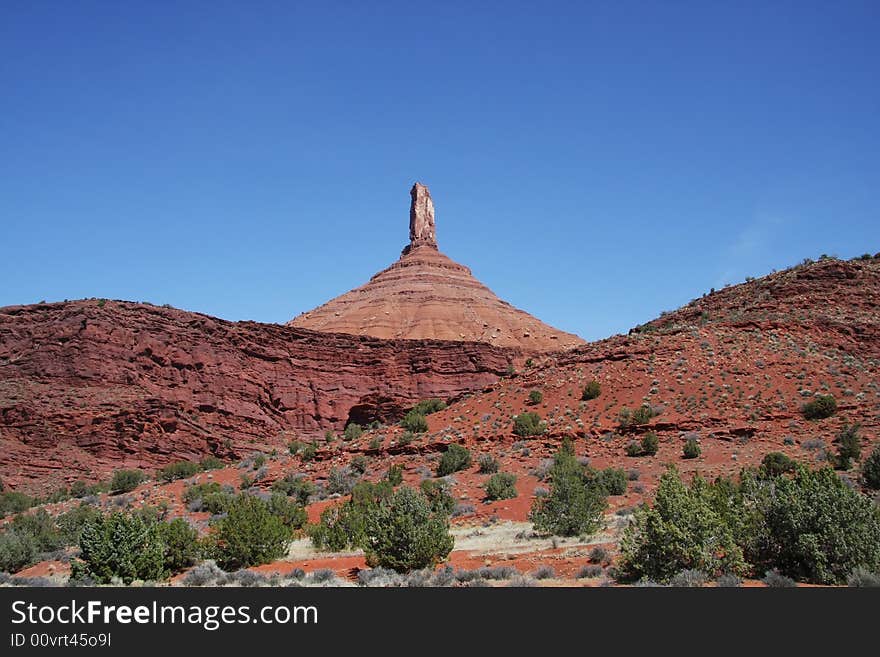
column 17, row 550
column 394, row 476
column 125, row 481
column 414, row 422
column 776, row 463
column 295, row 485
column 612, row 480
column 455, row 458
column 819, row 408
column 501, row 486
column 353, row 431
column 179, row 470
column 691, row 449
column 528, row 424
column 488, row 464
column 428, row 406
column 210, row 497
column 591, row 391
column 438, row 495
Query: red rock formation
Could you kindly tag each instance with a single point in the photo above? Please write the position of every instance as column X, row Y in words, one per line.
column 425, row 295
column 89, row 386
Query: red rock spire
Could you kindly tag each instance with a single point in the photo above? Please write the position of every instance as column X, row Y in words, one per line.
column 421, row 218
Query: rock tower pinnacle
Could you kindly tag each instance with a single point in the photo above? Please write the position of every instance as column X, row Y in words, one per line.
column 421, row 218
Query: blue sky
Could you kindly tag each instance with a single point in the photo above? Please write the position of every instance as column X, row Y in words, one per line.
column 593, row 163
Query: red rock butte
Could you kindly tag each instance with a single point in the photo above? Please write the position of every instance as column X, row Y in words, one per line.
column 426, row 295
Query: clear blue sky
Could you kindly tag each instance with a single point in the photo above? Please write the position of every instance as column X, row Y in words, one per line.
column 593, row 163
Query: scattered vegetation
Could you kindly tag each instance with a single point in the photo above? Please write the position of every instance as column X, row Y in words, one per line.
column 648, row 445
column 536, row 397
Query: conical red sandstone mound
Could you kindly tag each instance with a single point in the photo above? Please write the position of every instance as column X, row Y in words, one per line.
column 426, row 295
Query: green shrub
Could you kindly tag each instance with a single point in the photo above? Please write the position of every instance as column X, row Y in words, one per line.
column 404, row 533
column 682, row 531
column 575, row 504
column 406, row 438
column 691, row 449
column 343, row 526
column 428, row 406
column 775, row 464
column 119, row 545
column 309, row 451
column 250, row 534
column 591, row 391
column 340, row 481
column 41, row 527
column 213, row 497
column 210, row 463
column 353, row 431
column 650, row 444
column 179, row 470
column 438, row 496
column 125, row 481
column 295, row 485
column 612, row 480
column 71, row 524
column 17, row 550
column 528, row 424
column 455, row 458
column 394, row 476
column 849, row 446
column 634, row 448
column 414, row 422
column 819, row 408
column 815, row 528
column 630, row 418
column 79, row 489
column 359, row 464
column 871, row 469
column 288, row 511
column 181, row 546
column 501, row 486
column 536, row 397
column 13, row 502
column 488, row 464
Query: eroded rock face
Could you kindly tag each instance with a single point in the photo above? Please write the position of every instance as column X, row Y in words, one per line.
column 426, row 295
column 421, row 218
column 88, row 388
